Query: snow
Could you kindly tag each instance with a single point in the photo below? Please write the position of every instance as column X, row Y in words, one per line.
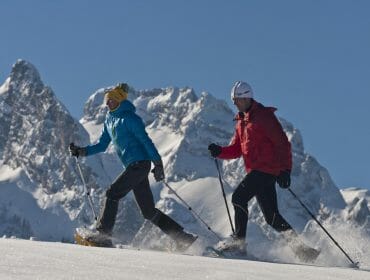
column 7, row 173
column 24, row 259
column 202, row 195
column 5, row 86
column 22, row 216
column 166, row 140
column 93, row 129
column 351, row 194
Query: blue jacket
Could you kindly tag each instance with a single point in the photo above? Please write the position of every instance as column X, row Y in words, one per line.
column 127, row 131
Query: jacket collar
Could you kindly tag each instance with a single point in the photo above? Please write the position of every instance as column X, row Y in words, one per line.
column 246, row 116
column 251, row 112
column 124, row 106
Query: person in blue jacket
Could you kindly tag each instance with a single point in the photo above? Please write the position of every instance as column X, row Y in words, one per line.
column 126, row 130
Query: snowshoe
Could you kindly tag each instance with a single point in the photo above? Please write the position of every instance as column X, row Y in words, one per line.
column 86, row 237
column 213, row 252
column 235, row 254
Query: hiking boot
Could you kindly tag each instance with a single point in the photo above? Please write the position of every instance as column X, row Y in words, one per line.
column 232, row 244
column 101, row 240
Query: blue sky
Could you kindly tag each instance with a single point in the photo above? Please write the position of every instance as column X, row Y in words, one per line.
column 310, row 59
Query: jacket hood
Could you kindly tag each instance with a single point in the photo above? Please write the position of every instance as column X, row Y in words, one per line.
column 125, row 106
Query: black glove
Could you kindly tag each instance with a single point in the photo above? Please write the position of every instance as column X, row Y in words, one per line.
column 214, row 149
column 76, row 151
column 284, row 179
column 158, row 171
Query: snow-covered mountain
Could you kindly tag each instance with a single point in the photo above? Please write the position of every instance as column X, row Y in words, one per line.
column 358, row 201
column 36, row 129
column 35, row 166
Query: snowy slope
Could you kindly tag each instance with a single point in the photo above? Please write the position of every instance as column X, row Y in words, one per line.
column 42, row 260
column 35, row 166
column 20, row 214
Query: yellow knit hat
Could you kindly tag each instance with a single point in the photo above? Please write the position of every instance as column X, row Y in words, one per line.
column 119, row 93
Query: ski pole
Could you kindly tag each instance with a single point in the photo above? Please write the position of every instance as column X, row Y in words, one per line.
column 317, row 221
column 85, row 189
column 223, row 193
column 191, row 210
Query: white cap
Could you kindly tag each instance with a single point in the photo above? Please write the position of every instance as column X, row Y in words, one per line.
column 241, row 90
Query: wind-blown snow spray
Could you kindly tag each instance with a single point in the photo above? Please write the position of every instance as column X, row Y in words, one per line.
column 354, row 264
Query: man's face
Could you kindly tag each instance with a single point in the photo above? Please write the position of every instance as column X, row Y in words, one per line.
column 242, row 103
column 112, row 104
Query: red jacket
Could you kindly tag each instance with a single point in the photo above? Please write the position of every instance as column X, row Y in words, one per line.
column 260, row 139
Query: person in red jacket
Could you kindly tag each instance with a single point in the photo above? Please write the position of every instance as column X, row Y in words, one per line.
column 260, row 139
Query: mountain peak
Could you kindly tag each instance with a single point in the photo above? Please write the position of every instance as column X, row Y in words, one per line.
column 36, row 128
column 23, row 71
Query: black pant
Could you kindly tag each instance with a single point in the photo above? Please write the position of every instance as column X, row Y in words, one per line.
column 262, row 186
column 135, row 178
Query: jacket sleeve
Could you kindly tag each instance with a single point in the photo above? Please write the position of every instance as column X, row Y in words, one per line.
column 233, row 150
column 282, row 147
column 101, row 145
column 137, row 128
